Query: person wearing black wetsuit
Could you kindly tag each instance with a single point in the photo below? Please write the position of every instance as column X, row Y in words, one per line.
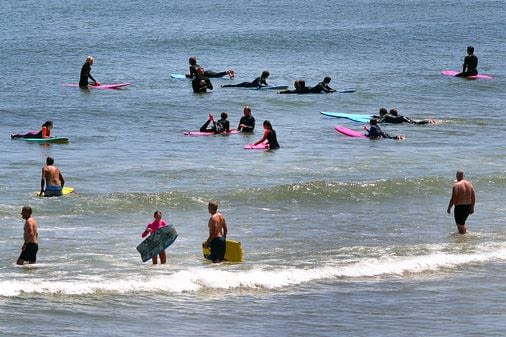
column 247, row 122
column 469, row 68
column 269, row 136
column 322, row 86
column 256, row 83
column 300, row 88
column 207, row 73
column 201, row 83
column 223, row 125
column 86, row 73
column 393, row 117
column 375, row 132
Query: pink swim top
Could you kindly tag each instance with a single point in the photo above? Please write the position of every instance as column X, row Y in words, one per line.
column 154, row 226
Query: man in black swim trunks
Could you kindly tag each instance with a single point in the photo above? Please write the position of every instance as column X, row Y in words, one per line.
column 30, row 235
column 217, row 234
column 463, row 198
column 201, row 83
column 470, row 64
column 86, row 72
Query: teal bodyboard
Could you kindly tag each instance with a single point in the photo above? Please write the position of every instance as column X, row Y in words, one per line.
column 156, row 243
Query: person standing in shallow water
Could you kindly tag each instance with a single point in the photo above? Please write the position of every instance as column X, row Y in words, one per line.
column 247, row 122
column 463, row 198
column 217, row 234
column 151, row 229
column 30, row 236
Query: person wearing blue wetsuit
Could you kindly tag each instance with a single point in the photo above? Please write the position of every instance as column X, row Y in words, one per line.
column 256, row 83
column 469, row 68
column 86, row 73
column 247, row 122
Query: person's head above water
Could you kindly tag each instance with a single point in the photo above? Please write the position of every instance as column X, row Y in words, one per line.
column 394, row 112
column 48, row 124
column 383, row 111
column 224, row 115
column 200, row 71
column 265, row 74
column 89, row 59
column 247, row 111
column 267, row 125
column 373, row 121
column 327, row 79
column 192, row 60
column 470, row 50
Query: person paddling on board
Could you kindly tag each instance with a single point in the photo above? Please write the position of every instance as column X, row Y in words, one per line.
column 218, row 230
column 463, row 198
column 256, row 83
column 322, row 86
column 223, row 125
column 86, row 73
column 375, row 132
column 151, row 229
column 45, row 132
column 393, row 117
column 30, row 236
column 201, row 83
column 300, row 88
column 470, row 64
column 247, row 122
column 207, row 73
column 52, row 179
column 269, row 136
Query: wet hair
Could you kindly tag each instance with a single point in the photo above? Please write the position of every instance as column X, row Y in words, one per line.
column 302, row 84
column 470, row 49
column 373, row 121
column 27, row 209
column 296, row 84
column 460, row 174
column 247, row 108
column 156, row 212
column 200, row 69
column 383, row 111
column 192, row 60
column 224, row 115
column 268, row 124
column 89, row 58
column 265, row 74
column 394, row 112
column 213, row 204
column 48, row 124
column 327, row 79
column 49, row 161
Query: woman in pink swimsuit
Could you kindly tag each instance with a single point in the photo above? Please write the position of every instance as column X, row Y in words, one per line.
column 151, row 229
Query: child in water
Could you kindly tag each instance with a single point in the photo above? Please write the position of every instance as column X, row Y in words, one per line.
column 151, row 229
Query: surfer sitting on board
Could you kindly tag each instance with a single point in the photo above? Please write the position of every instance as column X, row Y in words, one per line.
column 375, row 132
column 394, row 118
column 151, row 229
column 300, row 88
column 217, row 234
column 86, row 73
column 45, row 132
column 207, row 73
column 269, row 136
column 322, row 86
column 201, row 83
column 470, row 64
column 223, row 125
column 256, row 83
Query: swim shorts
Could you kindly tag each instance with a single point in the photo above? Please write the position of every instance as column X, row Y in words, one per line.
column 30, row 252
column 461, row 213
column 53, row 191
column 217, row 246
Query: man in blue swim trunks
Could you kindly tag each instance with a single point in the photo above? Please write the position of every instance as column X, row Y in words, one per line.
column 52, row 180
column 217, row 234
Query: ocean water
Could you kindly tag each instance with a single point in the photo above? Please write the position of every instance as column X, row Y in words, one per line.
column 342, row 236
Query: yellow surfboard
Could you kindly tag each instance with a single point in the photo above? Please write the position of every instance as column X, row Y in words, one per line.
column 233, row 251
column 66, row 190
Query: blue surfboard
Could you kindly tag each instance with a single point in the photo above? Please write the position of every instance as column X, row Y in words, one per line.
column 156, row 243
column 352, row 117
column 271, row 87
column 179, row 76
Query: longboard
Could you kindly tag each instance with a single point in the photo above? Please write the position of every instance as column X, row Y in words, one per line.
column 66, row 190
column 350, row 132
column 233, row 251
column 154, row 244
column 353, row 117
column 479, row 76
column 58, row 140
column 198, row 133
column 101, row 86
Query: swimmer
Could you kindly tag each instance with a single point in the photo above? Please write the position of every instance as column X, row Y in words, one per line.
column 463, row 198
column 375, row 132
column 201, row 83
column 30, row 236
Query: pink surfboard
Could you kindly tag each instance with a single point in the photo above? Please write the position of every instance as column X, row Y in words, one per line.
column 350, row 132
column 479, row 76
column 101, row 86
column 261, row 146
column 198, row 133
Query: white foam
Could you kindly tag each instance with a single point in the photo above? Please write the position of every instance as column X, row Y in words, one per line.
column 221, row 277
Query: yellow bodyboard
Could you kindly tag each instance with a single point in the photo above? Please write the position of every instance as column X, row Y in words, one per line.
column 233, row 251
column 66, row 190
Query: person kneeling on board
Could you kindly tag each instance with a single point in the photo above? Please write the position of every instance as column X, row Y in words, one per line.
column 151, row 229
column 216, row 241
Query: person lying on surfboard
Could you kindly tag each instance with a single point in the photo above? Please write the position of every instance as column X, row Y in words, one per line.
column 322, row 86
column 300, row 88
column 394, row 118
column 207, row 73
column 201, row 83
column 223, row 125
column 470, row 64
column 375, row 132
column 151, row 229
column 256, row 83
column 86, row 73
column 45, row 132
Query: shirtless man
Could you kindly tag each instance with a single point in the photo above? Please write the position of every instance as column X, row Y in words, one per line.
column 30, row 235
column 217, row 234
column 52, row 179
column 463, row 198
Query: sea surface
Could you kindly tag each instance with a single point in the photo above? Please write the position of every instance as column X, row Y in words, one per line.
column 342, row 236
